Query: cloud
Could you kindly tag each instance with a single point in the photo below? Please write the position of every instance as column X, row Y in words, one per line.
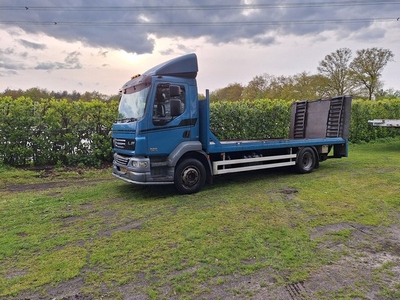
column 264, row 40
column 24, row 54
column 70, row 62
column 32, row 45
column 72, row 59
column 8, row 73
column 11, row 59
column 370, row 35
column 10, row 65
column 50, row 66
column 110, row 24
column 8, row 62
column 6, row 51
column 102, row 53
column 167, row 51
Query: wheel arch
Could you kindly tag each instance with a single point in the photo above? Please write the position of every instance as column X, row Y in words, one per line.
column 202, row 157
column 317, row 156
column 192, row 149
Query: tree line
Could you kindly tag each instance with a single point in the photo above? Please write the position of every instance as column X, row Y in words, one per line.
column 337, row 74
column 36, row 94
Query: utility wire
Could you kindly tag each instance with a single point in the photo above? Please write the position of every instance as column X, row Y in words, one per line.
column 237, row 23
column 202, row 7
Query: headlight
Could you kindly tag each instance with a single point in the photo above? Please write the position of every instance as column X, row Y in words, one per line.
column 139, row 164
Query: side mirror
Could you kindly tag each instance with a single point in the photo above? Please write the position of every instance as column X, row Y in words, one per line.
column 174, row 91
column 176, row 108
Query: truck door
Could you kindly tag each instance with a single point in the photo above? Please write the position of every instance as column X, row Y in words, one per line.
column 170, row 122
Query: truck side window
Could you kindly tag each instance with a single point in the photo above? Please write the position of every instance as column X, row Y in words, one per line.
column 169, row 103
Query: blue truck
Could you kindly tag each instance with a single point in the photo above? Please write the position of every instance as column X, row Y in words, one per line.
column 162, row 134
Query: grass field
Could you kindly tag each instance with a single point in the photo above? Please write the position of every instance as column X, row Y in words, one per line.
column 81, row 234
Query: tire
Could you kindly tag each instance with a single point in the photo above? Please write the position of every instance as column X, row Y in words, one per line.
column 190, row 176
column 306, row 160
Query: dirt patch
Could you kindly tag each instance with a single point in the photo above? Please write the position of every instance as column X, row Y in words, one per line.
column 286, row 194
column 69, row 290
column 20, row 188
column 15, row 272
column 127, row 227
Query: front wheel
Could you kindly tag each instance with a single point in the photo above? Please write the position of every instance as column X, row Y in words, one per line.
column 190, row 176
column 306, row 160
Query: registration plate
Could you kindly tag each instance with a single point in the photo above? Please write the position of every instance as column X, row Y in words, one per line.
column 123, row 170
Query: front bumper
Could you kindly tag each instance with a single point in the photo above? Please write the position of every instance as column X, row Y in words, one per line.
column 137, row 170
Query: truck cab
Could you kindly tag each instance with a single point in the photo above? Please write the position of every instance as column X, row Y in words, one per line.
column 158, row 122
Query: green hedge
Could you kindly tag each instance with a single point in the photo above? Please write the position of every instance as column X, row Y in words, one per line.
column 364, row 110
column 51, row 132
column 54, row 132
column 271, row 118
column 250, row 119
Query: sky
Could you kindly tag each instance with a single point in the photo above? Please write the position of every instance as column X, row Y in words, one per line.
column 86, row 45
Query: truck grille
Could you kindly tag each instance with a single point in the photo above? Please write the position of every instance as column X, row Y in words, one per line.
column 127, row 144
column 122, row 161
column 119, row 143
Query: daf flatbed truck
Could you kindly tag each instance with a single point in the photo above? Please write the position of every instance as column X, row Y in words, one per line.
column 162, row 134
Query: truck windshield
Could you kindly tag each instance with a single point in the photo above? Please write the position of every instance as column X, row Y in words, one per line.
column 132, row 105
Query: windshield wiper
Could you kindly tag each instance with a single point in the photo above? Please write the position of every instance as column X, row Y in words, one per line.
column 127, row 120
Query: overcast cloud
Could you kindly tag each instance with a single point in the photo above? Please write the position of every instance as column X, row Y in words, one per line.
column 138, row 27
column 65, row 22
column 32, row 45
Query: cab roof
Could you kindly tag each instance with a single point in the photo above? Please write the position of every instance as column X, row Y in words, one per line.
column 183, row 66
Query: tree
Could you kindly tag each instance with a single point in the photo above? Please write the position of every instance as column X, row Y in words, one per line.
column 299, row 86
column 279, row 86
column 256, row 88
column 304, row 86
column 233, row 92
column 13, row 93
column 388, row 94
column 367, row 66
column 268, row 87
column 335, row 67
column 36, row 94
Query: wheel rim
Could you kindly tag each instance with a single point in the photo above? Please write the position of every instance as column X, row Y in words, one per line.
column 307, row 161
column 190, row 176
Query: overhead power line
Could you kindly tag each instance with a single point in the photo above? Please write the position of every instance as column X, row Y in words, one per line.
column 203, row 7
column 236, row 23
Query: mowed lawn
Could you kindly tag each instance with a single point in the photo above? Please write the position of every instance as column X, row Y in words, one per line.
column 81, row 234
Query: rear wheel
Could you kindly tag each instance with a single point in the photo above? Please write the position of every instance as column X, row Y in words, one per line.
column 190, row 176
column 306, row 160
